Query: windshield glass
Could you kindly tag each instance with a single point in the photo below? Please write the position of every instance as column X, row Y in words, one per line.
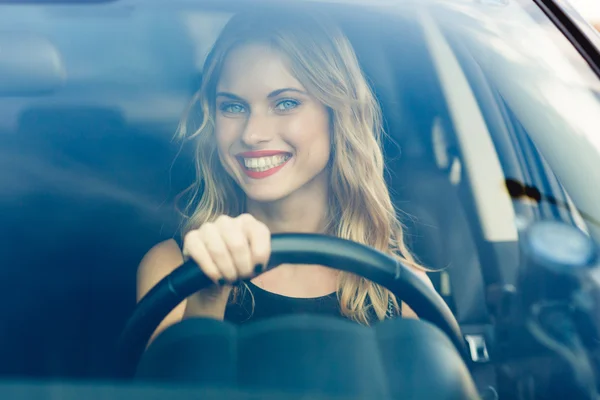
column 491, row 120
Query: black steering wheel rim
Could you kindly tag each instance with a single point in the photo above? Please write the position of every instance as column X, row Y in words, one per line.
column 291, row 248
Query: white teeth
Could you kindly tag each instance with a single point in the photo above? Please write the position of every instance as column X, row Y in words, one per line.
column 264, row 163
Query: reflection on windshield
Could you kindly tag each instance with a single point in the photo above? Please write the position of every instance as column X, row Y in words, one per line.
column 87, row 170
column 519, row 190
column 544, row 80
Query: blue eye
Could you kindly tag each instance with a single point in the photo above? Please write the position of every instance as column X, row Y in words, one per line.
column 287, row 104
column 233, row 108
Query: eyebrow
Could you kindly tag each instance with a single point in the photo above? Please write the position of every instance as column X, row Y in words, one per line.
column 277, row 92
column 274, row 93
column 229, row 96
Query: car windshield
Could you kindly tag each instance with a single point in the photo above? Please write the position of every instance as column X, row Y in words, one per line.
column 492, row 122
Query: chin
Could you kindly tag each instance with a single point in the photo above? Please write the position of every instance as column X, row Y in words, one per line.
column 265, row 196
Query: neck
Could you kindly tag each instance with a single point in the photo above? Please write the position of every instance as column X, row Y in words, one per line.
column 303, row 211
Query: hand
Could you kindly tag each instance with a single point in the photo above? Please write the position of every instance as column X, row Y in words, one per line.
column 229, row 249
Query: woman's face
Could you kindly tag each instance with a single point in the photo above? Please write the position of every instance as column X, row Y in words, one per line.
column 273, row 138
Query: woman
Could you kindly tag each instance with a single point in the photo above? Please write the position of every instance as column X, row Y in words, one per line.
column 287, row 140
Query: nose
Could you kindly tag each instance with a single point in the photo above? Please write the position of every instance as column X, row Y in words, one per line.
column 259, row 128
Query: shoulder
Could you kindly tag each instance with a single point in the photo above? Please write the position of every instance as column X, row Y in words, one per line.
column 163, row 251
column 422, row 274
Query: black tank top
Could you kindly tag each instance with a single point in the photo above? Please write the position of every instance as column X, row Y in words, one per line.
column 254, row 303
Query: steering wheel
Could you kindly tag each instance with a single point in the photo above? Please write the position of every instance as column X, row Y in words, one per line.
column 292, row 248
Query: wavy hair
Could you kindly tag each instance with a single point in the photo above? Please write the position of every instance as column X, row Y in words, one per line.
column 360, row 209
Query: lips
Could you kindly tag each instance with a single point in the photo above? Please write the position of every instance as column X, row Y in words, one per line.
column 262, row 163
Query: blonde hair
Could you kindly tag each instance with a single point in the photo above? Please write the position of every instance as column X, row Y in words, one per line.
column 360, row 208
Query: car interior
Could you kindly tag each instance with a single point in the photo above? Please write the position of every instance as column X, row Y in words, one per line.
column 92, row 172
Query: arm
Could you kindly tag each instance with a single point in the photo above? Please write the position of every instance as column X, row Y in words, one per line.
column 160, row 261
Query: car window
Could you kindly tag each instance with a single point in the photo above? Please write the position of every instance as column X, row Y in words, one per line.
column 476, row 97
column 541, row 76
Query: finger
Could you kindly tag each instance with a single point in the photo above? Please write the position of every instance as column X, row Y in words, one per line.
column 259, row 237
column 194, row 247
column 238, row 245
column 219, row 253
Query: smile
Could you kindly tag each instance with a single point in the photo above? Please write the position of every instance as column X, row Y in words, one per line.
column 258, row 167
column 265, row 163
